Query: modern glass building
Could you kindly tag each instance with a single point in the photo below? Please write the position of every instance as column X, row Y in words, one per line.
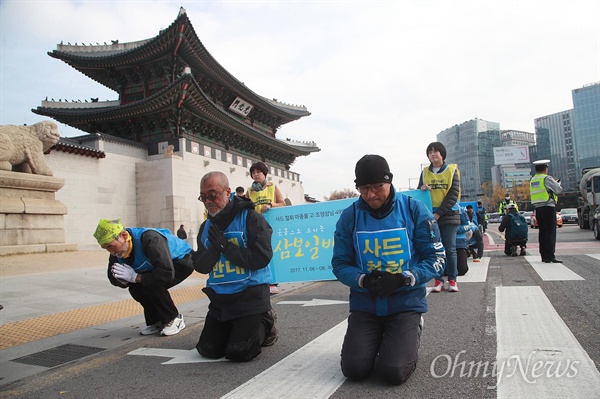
column 470, row 145
column 555, row 137
column 586, row 118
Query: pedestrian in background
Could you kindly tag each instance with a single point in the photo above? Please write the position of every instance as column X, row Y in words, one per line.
column 181, row 233
column 386, row 248
column 148, row 262
column 265, row 195
column 442, row 180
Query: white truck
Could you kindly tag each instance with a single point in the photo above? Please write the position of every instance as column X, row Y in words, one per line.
column 589, row 186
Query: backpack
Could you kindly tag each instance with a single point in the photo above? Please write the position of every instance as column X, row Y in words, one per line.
column 518, row 227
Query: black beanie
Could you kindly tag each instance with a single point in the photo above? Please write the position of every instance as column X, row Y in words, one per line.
column 372, row 169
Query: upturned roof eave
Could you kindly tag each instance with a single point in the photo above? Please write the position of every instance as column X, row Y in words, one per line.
column 161, row 101
column 199, row 57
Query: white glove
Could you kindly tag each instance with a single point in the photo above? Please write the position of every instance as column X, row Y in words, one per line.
column 124, row 273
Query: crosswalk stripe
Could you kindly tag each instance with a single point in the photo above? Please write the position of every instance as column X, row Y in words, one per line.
column 552, row 271
column 313, row 371
column 477, row 272
column 537, row 352
column 595, row 256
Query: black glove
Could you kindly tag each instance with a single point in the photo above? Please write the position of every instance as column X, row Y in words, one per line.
column 217, row 239
column 388, row 283
column 369, row 282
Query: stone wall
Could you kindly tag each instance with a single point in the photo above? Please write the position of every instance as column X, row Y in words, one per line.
column 142, row 190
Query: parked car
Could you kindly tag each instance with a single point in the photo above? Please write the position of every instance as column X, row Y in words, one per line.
column 494, row 217
column 527, row 216
column 569, row 215
column 534, row 224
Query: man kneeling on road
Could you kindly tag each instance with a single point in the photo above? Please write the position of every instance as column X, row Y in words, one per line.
column 234, row 248
column 517, row 231
column 386, row 248
column 148, row 262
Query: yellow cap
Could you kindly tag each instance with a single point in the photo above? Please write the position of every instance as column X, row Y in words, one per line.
column 107, row 231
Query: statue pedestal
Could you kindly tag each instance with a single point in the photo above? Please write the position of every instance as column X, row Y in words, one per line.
column 31, row 219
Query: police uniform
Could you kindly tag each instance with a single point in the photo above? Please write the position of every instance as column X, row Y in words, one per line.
column 543, row 190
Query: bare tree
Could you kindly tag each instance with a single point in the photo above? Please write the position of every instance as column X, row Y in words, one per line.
column 341, row 194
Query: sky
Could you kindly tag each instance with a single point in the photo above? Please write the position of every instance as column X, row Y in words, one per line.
column 379, row 77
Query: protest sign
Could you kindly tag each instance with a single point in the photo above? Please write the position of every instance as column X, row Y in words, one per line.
column 303, row 238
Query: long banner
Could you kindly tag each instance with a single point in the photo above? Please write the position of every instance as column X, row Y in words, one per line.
column 303, row 238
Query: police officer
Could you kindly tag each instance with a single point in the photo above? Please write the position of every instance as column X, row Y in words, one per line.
column 543, row 189
column 503, row 208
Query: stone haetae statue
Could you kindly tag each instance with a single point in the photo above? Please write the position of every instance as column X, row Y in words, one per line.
column 22, row 147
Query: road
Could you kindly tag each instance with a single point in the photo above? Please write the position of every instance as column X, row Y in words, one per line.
column 537, row 323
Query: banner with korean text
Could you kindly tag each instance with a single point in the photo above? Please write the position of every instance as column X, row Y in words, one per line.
column 303, row 238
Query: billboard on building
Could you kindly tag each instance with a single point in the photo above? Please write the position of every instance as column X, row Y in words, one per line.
column 511, row 155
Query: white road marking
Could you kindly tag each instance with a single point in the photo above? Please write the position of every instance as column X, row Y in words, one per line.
column 477, row 272
column 595, row 256
column 313, row 302
column 552, row 271
column 536, row 350
column 313, row 371
column 177, row 356
column 489, row 236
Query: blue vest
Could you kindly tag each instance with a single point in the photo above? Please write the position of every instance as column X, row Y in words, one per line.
column 384, row 244
column 178, row 248
column 225, row 277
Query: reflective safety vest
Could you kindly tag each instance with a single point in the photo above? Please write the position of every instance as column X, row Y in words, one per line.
column 440, row 184
column 537, row 188
column 264, row 197
column 504, row 206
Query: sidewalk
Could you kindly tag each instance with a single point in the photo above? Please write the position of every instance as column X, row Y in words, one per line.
column 54, row 303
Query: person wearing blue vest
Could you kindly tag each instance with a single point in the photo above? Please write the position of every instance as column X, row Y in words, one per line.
column 147, row 261
column 234, row 249
column 386, row 248
column 442, row 180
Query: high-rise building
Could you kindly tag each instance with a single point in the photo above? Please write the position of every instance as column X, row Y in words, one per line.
column 555, row 136
column 515, row 169
column 470, row 145
column 586, row 120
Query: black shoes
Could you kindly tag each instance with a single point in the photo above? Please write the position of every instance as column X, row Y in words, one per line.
column 553, row 261
column 272, row 336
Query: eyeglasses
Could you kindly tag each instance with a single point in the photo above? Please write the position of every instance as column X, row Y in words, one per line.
column 209, row 197
column 373, row 187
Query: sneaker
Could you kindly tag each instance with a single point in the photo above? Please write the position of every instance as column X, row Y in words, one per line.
column 273, row 290
column 452, row 286
column 439, row 286
column 272, row 336
column 174, row 326
column 476, row 260
column 151, row 329
column 522, row 253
